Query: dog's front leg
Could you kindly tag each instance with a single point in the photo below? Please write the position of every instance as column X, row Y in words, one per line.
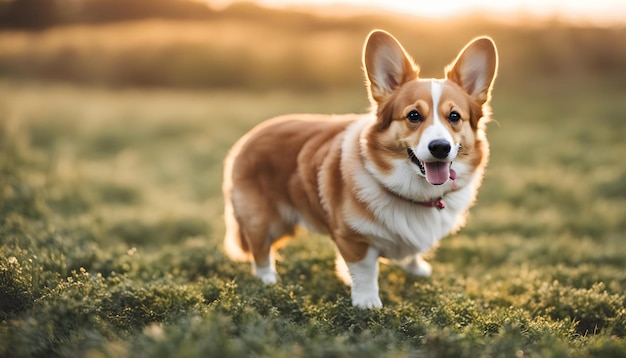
column 364, row 275
column 416, row 265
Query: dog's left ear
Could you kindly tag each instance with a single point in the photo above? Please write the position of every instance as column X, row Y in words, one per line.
column 475, row 68
column 387, row 65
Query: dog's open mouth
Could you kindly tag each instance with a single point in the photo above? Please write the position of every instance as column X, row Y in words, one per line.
column 436, row 173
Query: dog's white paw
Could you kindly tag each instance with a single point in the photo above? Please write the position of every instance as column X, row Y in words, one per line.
column 267, row 274
column 417, row 266
column 366, row 301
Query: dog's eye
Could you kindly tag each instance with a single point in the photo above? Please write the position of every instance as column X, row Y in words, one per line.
column 414, row 116
column 454, row 117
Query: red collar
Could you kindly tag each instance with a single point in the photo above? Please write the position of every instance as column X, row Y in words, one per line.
column 437, row 203
column 434, row 203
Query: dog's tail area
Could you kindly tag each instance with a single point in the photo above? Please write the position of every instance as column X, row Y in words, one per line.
column 341, row 269
column 235, row 244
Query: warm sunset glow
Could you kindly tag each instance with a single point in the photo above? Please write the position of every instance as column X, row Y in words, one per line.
column 585, row 11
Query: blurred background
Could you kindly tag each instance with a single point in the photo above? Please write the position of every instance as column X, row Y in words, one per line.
column 121, row 112
column 298, row 45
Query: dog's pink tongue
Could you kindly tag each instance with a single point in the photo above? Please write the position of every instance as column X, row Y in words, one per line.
column 437, row 173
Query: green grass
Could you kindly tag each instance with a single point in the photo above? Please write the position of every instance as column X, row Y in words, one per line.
column 111, row 236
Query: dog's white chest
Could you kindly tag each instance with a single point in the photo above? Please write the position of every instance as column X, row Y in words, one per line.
column 403, row 228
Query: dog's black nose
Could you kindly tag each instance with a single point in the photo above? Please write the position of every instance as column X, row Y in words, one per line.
column 439, row 148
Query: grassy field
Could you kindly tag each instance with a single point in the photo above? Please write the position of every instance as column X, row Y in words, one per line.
column 111, row 217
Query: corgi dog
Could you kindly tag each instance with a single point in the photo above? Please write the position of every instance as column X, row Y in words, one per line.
column 387, row 184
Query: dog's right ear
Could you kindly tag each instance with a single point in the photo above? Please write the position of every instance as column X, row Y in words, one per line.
column 387, row 65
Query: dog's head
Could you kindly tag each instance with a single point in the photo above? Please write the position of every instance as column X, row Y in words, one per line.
column 429, row 123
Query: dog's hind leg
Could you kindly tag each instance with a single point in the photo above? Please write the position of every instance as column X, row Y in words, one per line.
column 263, row 239
column 242, row 244
column 261, row 227
column 263, row 263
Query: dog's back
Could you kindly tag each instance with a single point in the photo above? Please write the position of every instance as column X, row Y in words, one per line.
column 271, row 181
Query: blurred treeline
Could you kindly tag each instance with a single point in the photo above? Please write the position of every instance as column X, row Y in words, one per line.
column 178, row 43
column 39, row 14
